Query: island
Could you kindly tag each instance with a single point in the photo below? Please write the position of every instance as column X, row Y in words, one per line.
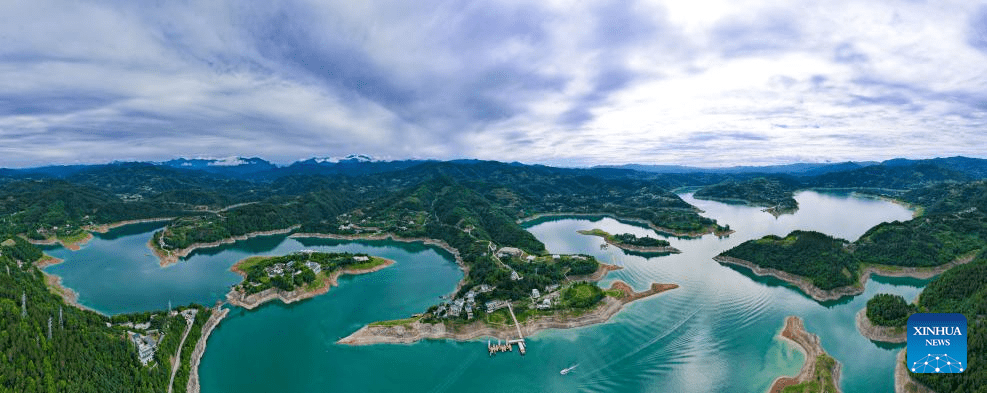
column 819, row 373
column 296, row 276
column 884, row 318
column 774, row 193
column 630, row 242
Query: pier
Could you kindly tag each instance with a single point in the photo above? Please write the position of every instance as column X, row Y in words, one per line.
column 508, row 345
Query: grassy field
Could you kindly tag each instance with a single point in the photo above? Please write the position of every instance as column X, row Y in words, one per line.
column 373, row 262
column 74, row 237
column 396, row 322
column 250, row 262
column 821, row 382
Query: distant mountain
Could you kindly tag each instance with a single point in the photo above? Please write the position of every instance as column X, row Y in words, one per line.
column 230, row 166
column 352, row 159
column 352, row 165
column 973, row 167
column 799, row 169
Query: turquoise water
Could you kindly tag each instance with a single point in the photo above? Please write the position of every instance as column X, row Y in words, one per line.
column 715, row 333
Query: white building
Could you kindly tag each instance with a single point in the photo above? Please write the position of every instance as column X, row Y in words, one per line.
column 315, row 266
column 495, row 305
column 361, row 258
column 534, row 293
column 146, row 346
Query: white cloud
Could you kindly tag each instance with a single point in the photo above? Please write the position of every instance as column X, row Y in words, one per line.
column 700, row 82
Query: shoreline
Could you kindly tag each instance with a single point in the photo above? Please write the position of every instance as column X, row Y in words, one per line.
column 73, row 246
column 217, row 315
column 770, row 209
column 809, row 344
column 823, row 295
column 249, row 302
column 390, row 236
column 68, row 295
column 54, row 284
column 667, row 231
column 903, row 382
column 874, row 332
column 598, row 275
column 631, row 247
column 167, row 258
column 103, row 228
column 417, row 331
column 90, row 229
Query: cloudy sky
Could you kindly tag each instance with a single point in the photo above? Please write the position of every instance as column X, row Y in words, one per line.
column 700, row 82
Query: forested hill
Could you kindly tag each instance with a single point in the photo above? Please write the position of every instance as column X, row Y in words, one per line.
column 890, row 178
column 962, row 289
column 774, row 192
column 48, row 346
column 953, row 226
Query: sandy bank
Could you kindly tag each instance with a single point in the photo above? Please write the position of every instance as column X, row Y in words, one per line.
column 879, row 333
column 795, row 333
column 667, row 231
column 822, row 295
column 415, row 331
column 903, row 382
column 170, row 257
column 239, row 298
column 218, row 314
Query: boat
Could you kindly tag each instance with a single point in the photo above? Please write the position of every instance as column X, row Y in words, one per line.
column 566, row 371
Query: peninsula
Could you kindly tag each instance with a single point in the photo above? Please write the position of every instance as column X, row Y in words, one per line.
column 884, row 318
column 630, row 242
column 296, row 276
column 819, row 373
column 498, row 325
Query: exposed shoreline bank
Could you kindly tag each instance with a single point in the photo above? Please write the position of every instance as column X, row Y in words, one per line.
column 667, row 231
column 416, row 331
column 903, row 382
column 874, row 332
column 72, row 245
column 218, row 314
column 390, row 236
column 822, row 295
column 103, row 228
column 171, row 257
column 631, row 247
column 809, row 344
column 249, row 302
column 70, row 296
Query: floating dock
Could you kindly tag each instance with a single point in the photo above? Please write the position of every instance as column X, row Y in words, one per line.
column 508, row 344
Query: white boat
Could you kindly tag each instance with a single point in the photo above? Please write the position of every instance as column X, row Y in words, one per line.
column 567, row 370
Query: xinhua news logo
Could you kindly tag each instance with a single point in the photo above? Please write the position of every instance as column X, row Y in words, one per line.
column 937, row 343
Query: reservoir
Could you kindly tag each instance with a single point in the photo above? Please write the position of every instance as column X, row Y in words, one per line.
column 714, row 333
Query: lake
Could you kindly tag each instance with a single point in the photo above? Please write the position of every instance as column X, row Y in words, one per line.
column 717, row 332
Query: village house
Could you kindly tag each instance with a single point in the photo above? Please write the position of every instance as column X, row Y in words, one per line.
column 495, row 305
column 314, row 266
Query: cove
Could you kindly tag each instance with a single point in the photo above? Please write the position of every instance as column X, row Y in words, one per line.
column 715, row 333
